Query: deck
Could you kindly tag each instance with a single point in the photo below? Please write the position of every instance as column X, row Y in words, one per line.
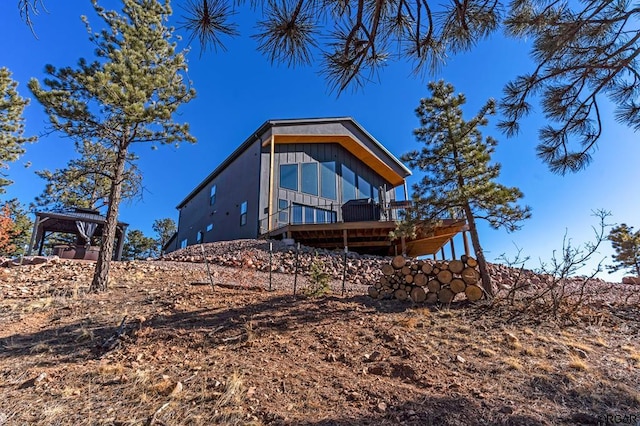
column 370, row 237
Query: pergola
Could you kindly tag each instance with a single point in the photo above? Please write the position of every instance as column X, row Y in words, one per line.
column 83, row 223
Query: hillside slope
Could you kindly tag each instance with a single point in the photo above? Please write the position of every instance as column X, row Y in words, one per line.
column 162, row 347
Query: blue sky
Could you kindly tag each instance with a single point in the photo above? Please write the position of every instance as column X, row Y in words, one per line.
column 238, row 89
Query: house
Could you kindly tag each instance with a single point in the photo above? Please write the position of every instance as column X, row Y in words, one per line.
column 325, row 182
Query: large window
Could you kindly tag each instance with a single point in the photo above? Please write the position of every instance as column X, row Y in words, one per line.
column 310, row 178
column 289, row 176
column 212, row 195
column 243, row 213
column 364, row 188
column 328, row 180
column 348, row 184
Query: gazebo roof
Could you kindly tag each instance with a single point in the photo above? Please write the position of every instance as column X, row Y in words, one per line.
column 66, row 221
column 84, row 215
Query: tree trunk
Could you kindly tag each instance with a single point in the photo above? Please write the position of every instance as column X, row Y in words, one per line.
column 101, row 275
column 477, row 248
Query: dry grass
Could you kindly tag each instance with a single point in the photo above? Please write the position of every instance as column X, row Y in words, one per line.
column 513, row 363
column 577, row 363
column 236, row 357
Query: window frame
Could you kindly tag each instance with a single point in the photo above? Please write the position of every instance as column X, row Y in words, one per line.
column 354, row 184
column 283, row 210
column 333, row 185
column 243, row 213
column 297, row 176
column 315, row 177
column 212, row 194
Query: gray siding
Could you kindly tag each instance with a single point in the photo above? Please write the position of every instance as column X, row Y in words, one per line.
column 344, row 128
column 314, row 153
column 238, row 182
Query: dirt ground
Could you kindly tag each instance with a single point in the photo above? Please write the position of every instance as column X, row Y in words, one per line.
column 161, row 347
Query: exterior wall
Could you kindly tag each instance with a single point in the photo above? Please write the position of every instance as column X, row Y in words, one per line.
column 236, row 183
column 341, row 127
column 314, row 153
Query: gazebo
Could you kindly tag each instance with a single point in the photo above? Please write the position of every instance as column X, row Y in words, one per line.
column 83, row 223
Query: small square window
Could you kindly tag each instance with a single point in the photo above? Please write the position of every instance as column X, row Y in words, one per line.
column 183, row 243
column 209, row 227
column 200, row 237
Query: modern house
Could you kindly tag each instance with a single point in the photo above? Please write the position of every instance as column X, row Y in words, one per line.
column 325, row 182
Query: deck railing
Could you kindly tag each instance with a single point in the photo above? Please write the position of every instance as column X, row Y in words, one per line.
column 393, row 211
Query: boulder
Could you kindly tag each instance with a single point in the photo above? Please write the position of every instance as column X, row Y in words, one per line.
column 631, row 280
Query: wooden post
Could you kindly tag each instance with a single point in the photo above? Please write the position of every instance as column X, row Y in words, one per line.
column 442, row 252
column 120, row 242
column 32, row 242
column 206, row 261
column 270, row 263
column 44, row 236
column 344, row 239
column 453, row 249
column 295, row 277
column 344, row 269
column 466, row 243
column 403, row 242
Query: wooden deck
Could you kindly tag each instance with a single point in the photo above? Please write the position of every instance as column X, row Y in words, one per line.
column 369, row 237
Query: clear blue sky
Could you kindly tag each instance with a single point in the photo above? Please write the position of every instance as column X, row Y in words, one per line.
column 238, row 89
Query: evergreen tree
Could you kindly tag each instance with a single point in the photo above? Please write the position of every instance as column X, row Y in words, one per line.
column 86, row 181
column 583, row 52
column 626, row 244
column 138, row 246
column 458, row 176
column 127, row 95
column 15, row 228
column 164, row 229
column 11, row 124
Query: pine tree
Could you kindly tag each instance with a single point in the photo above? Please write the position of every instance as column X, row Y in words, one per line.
column 584, row 52
column 127, row 95
column 626, row 244
column 458, row 176
column 15, row 228
column 138, row 246
column 11, row 124
column 86, row 181
column 164, row 229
